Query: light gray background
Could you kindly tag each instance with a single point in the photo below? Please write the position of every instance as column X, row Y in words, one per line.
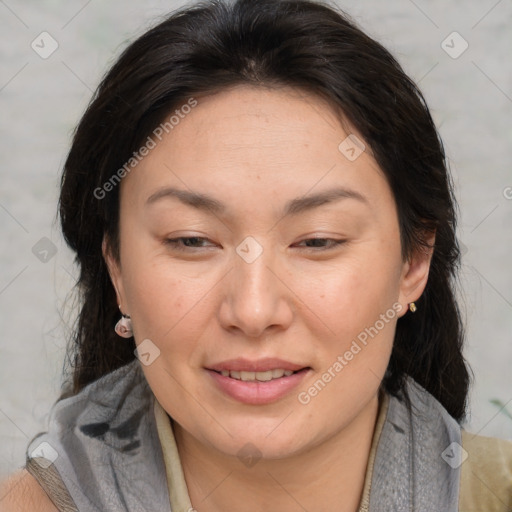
column 42, row 99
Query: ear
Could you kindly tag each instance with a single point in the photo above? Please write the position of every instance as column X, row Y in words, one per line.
column 114, row 270
column 415, row 273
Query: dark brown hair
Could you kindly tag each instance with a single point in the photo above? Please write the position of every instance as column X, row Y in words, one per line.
column 303, row 44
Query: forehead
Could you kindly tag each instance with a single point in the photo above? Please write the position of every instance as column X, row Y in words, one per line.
column 258, row 140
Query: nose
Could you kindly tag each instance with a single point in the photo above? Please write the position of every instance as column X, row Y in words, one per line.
column 256, row 297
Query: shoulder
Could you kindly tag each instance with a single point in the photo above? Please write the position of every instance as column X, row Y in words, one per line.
column 22, row 493
column 488, row 451
column 486, row 473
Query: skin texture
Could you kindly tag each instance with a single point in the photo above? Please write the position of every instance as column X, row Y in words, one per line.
column 254, row 149
column 22, row 492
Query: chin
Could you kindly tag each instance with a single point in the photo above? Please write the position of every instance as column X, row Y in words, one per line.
column 263, row 440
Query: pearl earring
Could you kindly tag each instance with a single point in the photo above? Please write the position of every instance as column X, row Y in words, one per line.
column 124, row 326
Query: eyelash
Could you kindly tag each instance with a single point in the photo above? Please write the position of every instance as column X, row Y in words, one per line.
column 175, row 243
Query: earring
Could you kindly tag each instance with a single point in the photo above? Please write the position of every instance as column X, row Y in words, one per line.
column 412, row 307
column 124, row 326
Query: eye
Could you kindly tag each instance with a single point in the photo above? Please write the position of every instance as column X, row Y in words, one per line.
column 195, row 242
column 318, row 243
column 186, row 242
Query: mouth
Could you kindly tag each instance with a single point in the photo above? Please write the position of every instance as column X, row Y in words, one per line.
column 257, row 382
column 265, row 376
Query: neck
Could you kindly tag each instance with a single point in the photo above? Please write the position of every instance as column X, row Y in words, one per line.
column 328, row 477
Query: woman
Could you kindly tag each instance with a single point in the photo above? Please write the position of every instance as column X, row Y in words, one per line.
column 260, row 207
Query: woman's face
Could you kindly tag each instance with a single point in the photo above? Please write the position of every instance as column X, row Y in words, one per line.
column 256, row 280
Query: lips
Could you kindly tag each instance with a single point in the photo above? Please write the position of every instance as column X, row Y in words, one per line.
column 260, row 365
column 257, row 376
column 257, row 382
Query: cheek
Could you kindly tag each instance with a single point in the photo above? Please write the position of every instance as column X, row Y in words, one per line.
column 162, row 298
column 353, row 295
column 357, row 306
column 164, row 305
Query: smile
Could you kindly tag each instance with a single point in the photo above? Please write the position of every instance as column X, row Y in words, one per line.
column 260, row 382
column 257, row 376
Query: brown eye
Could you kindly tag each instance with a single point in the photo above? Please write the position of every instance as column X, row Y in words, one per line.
column 319, row 243
column 186, row 242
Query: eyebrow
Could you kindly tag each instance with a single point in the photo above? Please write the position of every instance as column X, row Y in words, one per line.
column 293, row 207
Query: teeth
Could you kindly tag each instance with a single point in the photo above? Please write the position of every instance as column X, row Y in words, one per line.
column 247, row 375
column 257, row 376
